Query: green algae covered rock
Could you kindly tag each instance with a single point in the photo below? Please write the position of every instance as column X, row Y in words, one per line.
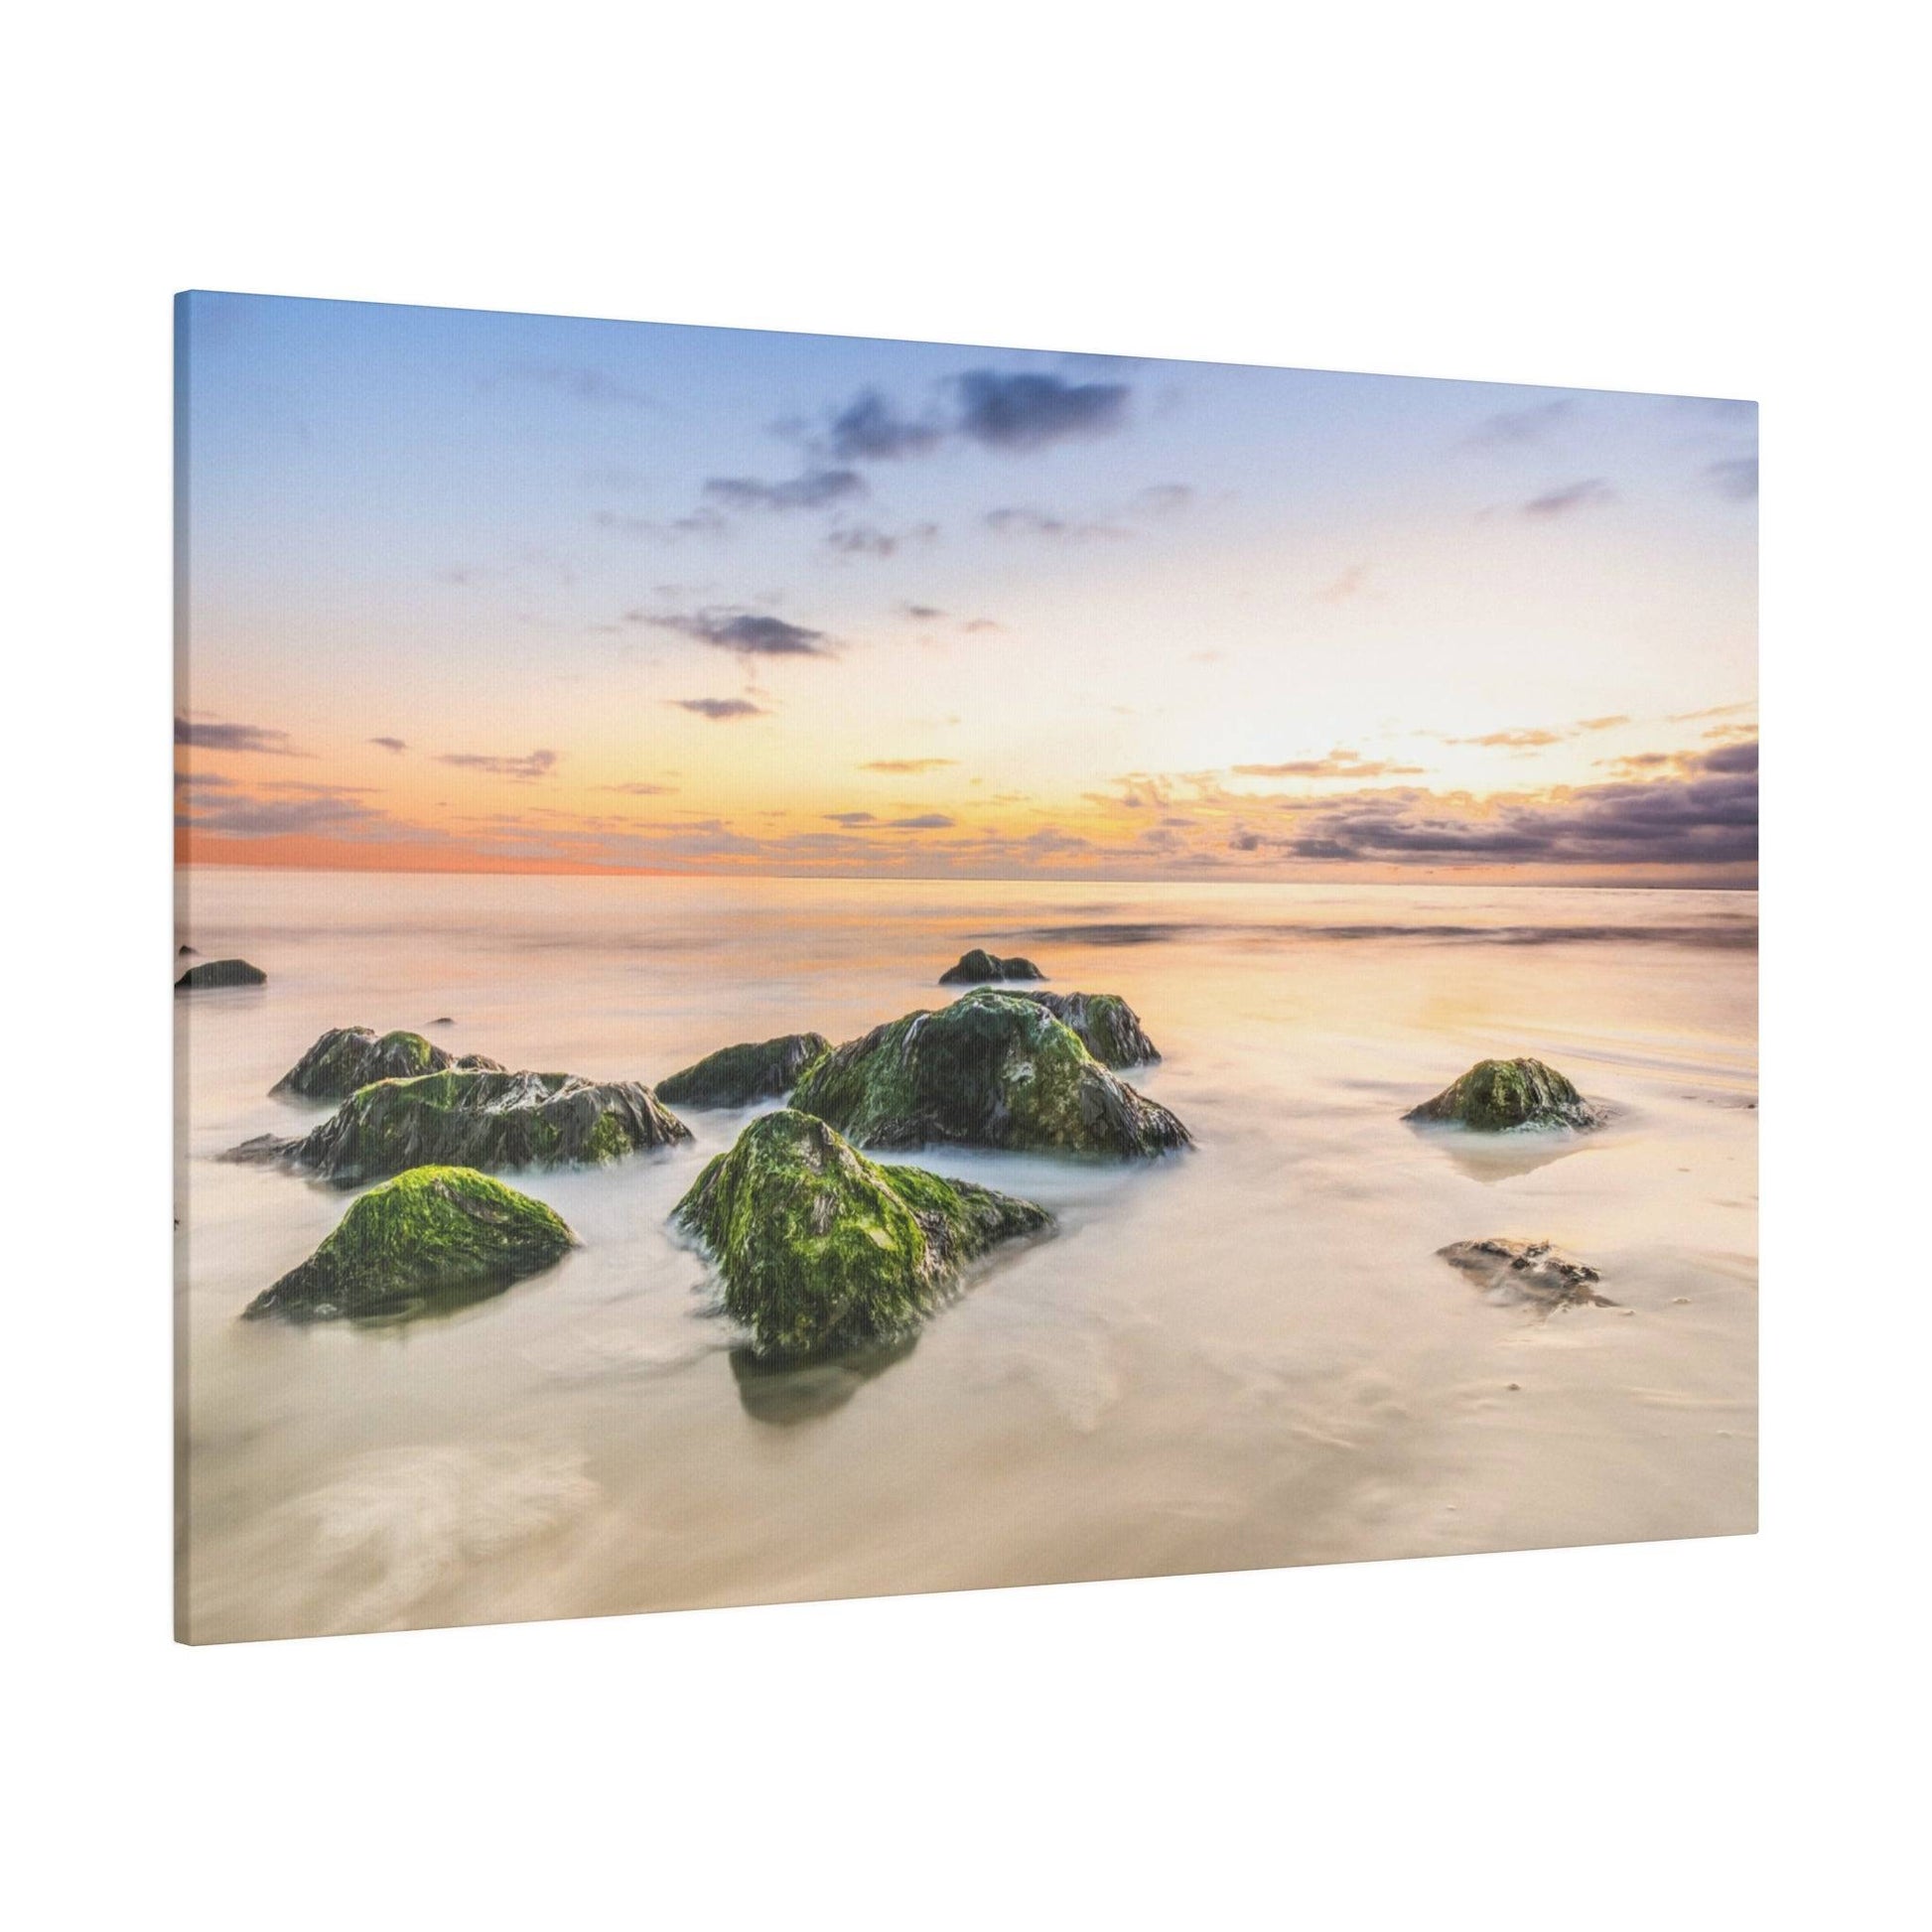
column 735, row 1077
column 1497, row 1096
column 220, row 972
column 432, row 1236
column 822, row 1250
column 474, row 1119
column 1109, row 1028
column 347, row 1058
column 979, row 966
column 993, row 1070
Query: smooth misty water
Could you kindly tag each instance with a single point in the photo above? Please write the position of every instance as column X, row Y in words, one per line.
column 1248, row 1355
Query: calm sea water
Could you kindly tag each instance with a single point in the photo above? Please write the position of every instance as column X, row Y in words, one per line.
column 1246, row 1356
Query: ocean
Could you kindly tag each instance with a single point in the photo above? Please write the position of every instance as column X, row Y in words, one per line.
column 1247, row 1355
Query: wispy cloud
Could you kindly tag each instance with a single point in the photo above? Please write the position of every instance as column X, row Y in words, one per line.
column 750, row 633
column 1734, row 477
column 1351, row 583
column 1015, row 521
column 1525, row 740
column 533, row 765
column 1570, row 497
column 1338, row 764
column 867, row 540
column 390, row 743
column 1510, row 429
column 639, row 788
column 585, row 383
column 905, row 767
column 925, row 822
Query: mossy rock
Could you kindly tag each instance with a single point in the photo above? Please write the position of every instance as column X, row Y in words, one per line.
column 736, row 1076
column 993, row 1070
column 347, row 1058
column 489, row 1120
column 1500, row 1096
column 979, row 967
column 434, row 1237
column 822, row 1251
column 1109, row 1028
column 220, row 972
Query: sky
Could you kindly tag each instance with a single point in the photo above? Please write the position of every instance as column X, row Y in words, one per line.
column 478, row 592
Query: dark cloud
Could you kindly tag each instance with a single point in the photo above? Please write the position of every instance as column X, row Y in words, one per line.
column 816, row 489
column 1023, row 412
column 925, row 822
column 866, row 540
column 1570, row 497
column 1708, row 817
column 906, row 766
column 750, row 633
column 870, row 429
column 215, row 735
column 390, row 743
column 1337, row 765
column 1736, row 476
column 1512, row 428
column 921, row 613
column 332, row 810
column 852, row 818
column 718, row 710
column 533, row 764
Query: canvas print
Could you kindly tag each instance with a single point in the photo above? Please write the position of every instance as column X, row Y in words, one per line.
column 815, row 967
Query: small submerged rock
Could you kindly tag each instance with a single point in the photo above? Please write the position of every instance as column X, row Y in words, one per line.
column 996, row 1071
column 735, row 1077
column 347, row 1058
column 1109, row 1028
column 220, row 972
column 980, row 966
column 1527, row 1271
column 186, row 952
column 1497, row 1096
column 822, row 1251
column 487, row 1119
column 436, row 1235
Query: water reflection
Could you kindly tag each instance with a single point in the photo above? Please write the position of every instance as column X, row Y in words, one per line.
column 1491, row 1158
column 784, row 1393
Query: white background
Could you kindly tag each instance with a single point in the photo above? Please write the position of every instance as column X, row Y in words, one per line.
column 1686, row 198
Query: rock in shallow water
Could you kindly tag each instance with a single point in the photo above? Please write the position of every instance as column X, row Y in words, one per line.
column 347, row 1058
column 995, row 1071
column 979, row 966
column 487, row 1120
column 1108, row 1028
column 220, row 972
column 1495, row 1096
column 735, row 1077
column 434, row 1235
column 823, row 1251
column 1527, row 1271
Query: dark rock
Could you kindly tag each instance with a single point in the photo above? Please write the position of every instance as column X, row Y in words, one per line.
column 1497, row 1096
column 979, row 966
column 442, row 1019
column 220, row 972
column 822, row 1251
column 1109, row 1028
column 186, row 952
column 489, row 1120
column 736, row 1076
column 1527, row 1271
column 432, row 1237
column 995, row 1071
